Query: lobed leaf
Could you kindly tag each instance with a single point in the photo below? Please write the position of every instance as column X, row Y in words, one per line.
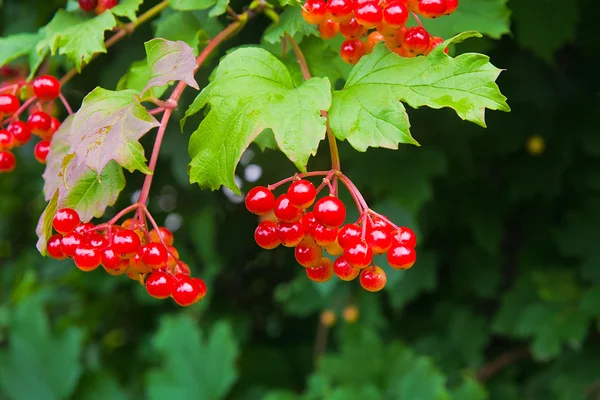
column 127, row 8
column 290, row 22
column 170, row 61
column 44, row 226
column 17, row 45
column 185, row 5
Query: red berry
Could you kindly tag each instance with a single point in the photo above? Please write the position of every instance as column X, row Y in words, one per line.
column 416, row 40
column 352, row 50
column 404, row 236
column 70, row 242
column 308, row 253
column 65, row 220
column 413, row 5
column 380, row 240
column 126, row 243
column 395, row 14
column 373, row 38
column 39, row 123
column 20, row 131
column 185, row 291
column 373, row 279
column 359, row 254
column 7, row 161
column 401, row 257
column 352, row 29
column 41, row 151
column 86, row 257
column 349, row 234
column 54, row 125
column 96, row 240
column 308, row 222
column 260, row 200
column 329, row 29
column 182, row 269
column 330, row 212
column 88, row 5
column 266, row 236
column 154, row 255
column 334, row 248
column 290, row 233
column 343, row 269
column 302, row 193
column 53, row 247
column 104, row 5
column 324, row 236
column 136, row 264
column 110, row 260
column 159, row 285
column 435, row 41
column 368, row 15
column 322, row 272
column 285, row 211
column 85, row 228
column 340, row 10
column 378, row 223
column 46, row 87
column 9, row 104
column 432, row 8
column 7, row 140
column 164, row 233
column 451, row 6
column 201, row 289
column 402, row 52
column 314, row 11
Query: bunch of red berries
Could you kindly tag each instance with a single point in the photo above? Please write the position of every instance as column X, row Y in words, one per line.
column 386, row 18
column 311, row 232
column 98, row 6
column 15, row 133
column 146, row 257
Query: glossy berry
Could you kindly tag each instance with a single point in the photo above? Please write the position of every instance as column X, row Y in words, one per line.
column 416, row 40
column 324, row 236
column 290, row 233
column 96, row 240
column 344, row 270
column 314, row 11
column 302, row 193
column 451, row 6
column 260, row 200
column 201, row 289
column 182, row 269
column 172, row 257
column 404, row 236
column 352, row 29
column 432, row 8
column 308, row 253
column 352, row 50
column 359, row 254
column 379, row 239
column 378, row 223
column 86, row 257
column 159, row 285
column 20, row 131
column 154, row 255
column 136, row 264
column 7, row 161
column 372, row 40
column 330, row 212
column 285, row 211
column 88, row 5
column 308, row 222
column 54, row 125
column 368, row 15
column 395, row 14
column 70, row 242
column 402, row 52
column 126, row 243
column 340, row 10
column 39, row 123
column 185, row 291
column 349, row 234
column 401, row 257
column 328, row 29
column 110, row 260
column 266, row 236
column 7, row 140
column 104, row 5
column 46, row 88
column 373, row 279
column 41, row 151
column 53, row 247
column 434, row 42
column 85, row 228
column 334, row 248
column 413, row 5
column 322, row 272
column 164, row 233
column 9, row 104
column 65, row 220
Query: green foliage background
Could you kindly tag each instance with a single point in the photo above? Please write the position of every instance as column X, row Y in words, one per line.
column 503, row 303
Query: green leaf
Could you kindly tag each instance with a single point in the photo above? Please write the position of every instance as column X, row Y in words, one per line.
column 368, row 114
column 17, row 45
column 136, row 78
column 181, row 25
column 184, row 5
column 59, row 148
column 251, row 91
column 170, row 61
column 44, row 226
column 76, row 36
column 290, row 22
column 219, row 9
column 107, row 127
column 127, row 8
column 192, row 366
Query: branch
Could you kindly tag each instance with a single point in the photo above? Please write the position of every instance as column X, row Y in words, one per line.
column 504, row 360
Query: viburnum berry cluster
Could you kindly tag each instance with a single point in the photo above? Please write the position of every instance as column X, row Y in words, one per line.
column 14, row 132
column 98, row 6
column 146, row 257
column 377, row 20
column 323, row 229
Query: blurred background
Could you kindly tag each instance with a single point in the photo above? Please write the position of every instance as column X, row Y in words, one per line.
column 503, row 302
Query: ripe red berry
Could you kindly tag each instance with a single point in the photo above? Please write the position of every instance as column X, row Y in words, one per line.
column 7, row 140
column 39, row 123
column 104, row 5
column 110, row 260
column 352, row 29
column 302, row 193
column 159, row 285
column 85, row 228
column 378, row 223
column 359, row 254
column 334, row 248
column 372, row 40
column 41, row 151
column 185, row 291
column 413, row 5
column 7, row 161
column 432, row 8
column 368, row 15
column 86, row 257
column 308, row 222
column 340, row 10
column 314, row 11
column 322, row 272
column 434, row 42
column 451, row 6
column 349, row 234
column 343, row 269
column 324, row 236
column 88, row 5
column 136, row 264
column 20, row 131
column 330, row 212
column 53, row 247
column 402, row 52
column 373, row 279
column 70, row 242
column 379, row 239
column 401, row 257
column 308, row 253
column 260, row 200
column 329, row 29
column 266, row 236
column 65, row 220
column 404, row 236
column 395, row 14
column 154, row 255
column 126, row 243
column 285, row 211
column 182, row 269
column 54, row 125
column 9, row 104
column 164, row 233
column 290, row 233
column 352, row 50
column 416, row 40
column 96, row 240
column 46, row 88
column 201, row 289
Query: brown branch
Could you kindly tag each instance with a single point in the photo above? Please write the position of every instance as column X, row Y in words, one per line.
column 499, row 363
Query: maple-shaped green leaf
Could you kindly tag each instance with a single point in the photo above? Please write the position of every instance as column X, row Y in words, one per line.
column 185, row 5
column 251, row 91
column 190, row 27
column 17, row 45
column 290, row 22
column 44, row 226
column 127, row 8
column 219, row 9
column 76, row 36
column 59, row 148
column 368, row 112
column 136, row 78
column 108, row 126
column 170, row 61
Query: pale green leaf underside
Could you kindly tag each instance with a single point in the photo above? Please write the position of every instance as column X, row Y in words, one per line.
column 44, row 226
column 170, row 61
column 17, row 45
column 137, row 77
